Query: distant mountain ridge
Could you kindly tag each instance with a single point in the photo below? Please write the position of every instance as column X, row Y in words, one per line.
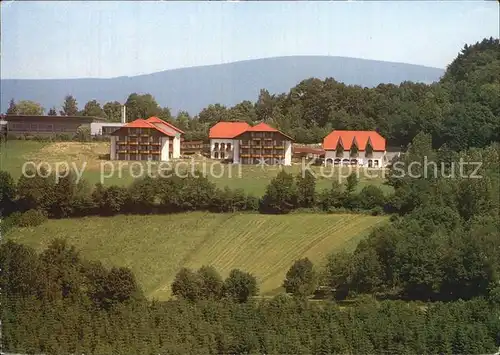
column 192, row 89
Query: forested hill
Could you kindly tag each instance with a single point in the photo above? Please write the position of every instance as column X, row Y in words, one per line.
column 192, row 89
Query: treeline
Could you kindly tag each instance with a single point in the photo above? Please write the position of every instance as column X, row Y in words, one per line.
column 462, row 110
column 38, row 196
column 56, row 302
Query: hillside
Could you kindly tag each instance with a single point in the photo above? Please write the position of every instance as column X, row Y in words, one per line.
column 194, row 88
column 156, row 247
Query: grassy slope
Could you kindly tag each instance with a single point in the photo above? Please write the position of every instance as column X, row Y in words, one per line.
column 252, row 179
column 155, row 247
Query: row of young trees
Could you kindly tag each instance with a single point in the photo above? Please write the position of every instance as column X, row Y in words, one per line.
column 111, row 110
column 58, row 303
column 207, row 284
column 138, row 106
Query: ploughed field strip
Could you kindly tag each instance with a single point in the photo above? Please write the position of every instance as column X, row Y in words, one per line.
column 156, row 247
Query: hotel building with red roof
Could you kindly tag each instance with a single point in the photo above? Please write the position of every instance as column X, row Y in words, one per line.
column 151, row 139
column 244, row 144
column 364, row 148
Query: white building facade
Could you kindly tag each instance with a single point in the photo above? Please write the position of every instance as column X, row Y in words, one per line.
column 362, row 148
column 373, row 160
column 241, row 143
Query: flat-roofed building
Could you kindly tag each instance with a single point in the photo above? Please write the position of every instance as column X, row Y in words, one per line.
column 27, row 125
column 104, row 128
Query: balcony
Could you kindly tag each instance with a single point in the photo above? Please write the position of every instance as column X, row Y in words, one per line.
column 279, row 147
column 156, row 152
column 154, row 143
column 122, row 142
column 144, row 151
column 121, row 151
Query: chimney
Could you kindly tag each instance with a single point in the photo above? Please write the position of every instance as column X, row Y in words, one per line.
column 124, row 114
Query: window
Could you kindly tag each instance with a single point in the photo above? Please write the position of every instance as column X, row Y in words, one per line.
column 216, row 155
column 34, row 127
column 222, row 155
column 222, row 146
column 216, row 146
column 229, row 146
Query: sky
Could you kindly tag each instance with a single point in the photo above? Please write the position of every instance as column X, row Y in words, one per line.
column 70, row 39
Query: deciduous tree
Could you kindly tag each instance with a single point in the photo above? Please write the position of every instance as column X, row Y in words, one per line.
column 240, row 286
column 70, row 106
column 27, row 107
column 301, row 278
column 93, row 109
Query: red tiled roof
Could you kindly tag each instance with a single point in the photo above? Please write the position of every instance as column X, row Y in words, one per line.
column 228, row 129
column 262, row 127
column 155, row 119
column 140, row 123
column 360, row 138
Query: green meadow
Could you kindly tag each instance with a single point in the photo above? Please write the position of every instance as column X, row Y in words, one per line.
column 155, row 247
